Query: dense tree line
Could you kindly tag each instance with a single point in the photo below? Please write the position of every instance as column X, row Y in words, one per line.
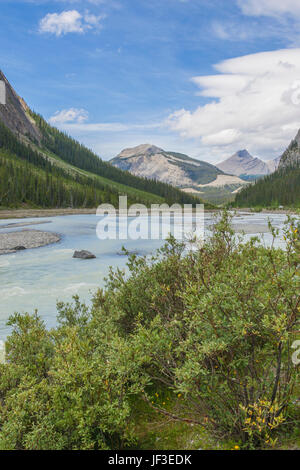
column 28, row 176
column 280, row 188
column 20, row 183
column 78, row 155
column 8, row 141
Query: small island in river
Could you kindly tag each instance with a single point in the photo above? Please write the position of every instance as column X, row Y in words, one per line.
column 11, row 242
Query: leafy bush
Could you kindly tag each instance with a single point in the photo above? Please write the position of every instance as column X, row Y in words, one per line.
column 202, row 337
column 59, row 389
column 215, row 325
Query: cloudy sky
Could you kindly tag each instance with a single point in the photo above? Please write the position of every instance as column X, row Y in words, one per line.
column 202, row 77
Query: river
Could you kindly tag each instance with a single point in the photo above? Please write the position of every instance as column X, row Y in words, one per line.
column 38, row 278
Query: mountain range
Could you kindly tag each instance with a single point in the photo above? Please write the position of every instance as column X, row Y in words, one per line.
column 43, row 167
column 190, row 175
column 215, row 183
column 244, row 165
column 170, row 167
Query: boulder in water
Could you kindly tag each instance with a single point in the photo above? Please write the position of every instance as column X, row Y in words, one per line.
column 83, row 254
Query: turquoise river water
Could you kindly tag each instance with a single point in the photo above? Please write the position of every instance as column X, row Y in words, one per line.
column 38, row 278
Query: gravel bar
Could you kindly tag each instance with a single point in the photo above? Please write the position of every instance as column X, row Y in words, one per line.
column 11, row 242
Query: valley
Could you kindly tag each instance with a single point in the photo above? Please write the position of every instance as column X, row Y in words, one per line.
column 149, row 229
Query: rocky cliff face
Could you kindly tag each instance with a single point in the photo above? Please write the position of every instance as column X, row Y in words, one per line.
column 242, row 163
column 173, row 168
column 291, row 156
column 15, row 115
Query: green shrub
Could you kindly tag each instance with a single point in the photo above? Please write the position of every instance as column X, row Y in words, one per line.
column 59, row 389
column 216, row 326
column 202, row 337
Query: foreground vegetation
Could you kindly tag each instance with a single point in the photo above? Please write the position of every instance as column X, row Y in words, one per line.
column 189, row 350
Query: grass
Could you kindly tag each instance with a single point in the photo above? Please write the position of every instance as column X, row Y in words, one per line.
column 156, row 431
column 151, row 198
column 72, row 170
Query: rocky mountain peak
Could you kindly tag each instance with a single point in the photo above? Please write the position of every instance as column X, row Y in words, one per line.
column 140, row 150
column 15, row 115
column 297, row 138
column 177, row 169
column 243, row 154
column 291, row 156
column 243, row 163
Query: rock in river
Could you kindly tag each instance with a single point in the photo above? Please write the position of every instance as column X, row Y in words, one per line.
column 83, row 254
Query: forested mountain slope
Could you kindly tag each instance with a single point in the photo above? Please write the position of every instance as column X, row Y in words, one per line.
column 280, row 188
column 41, row 166
column 28, row 176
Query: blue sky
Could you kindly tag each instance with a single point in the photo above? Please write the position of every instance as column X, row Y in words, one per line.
column 118, row 73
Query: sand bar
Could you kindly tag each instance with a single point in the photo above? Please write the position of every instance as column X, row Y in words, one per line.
column 12, row 241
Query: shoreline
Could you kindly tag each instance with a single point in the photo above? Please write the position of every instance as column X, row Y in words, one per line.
column 36, row 213
column 6, row 214
column 267, row 211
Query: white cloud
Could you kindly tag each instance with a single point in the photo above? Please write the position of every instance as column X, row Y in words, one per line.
column 69, row 115
column 250, row 30
column 97, row 127
column 224, row 137
column 269, row 19
column 269, row 7
column 254, row 103
column 220, row 31
column 74, row 119
column 107, row 127
column 234, row 31
column 70, row 21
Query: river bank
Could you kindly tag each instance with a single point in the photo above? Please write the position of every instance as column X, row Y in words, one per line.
column 37, row 213
column 248, row 210
column 31, row 213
